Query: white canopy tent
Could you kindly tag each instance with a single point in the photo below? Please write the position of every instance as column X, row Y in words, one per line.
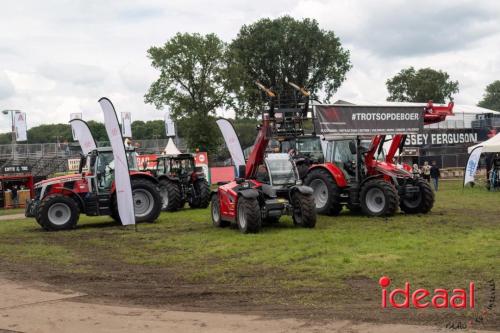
column 171, row 148
column 491, row 145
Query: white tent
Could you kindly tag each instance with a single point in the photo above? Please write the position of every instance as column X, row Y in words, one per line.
column 491, row 145
column 171, row 149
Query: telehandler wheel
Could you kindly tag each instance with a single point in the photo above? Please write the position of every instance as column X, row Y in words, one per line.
column 58, row 212
column 304, row 210
column 202, row 190
column 248, row 215
column 171, row 195
column 379, row 198
column 325, row 192
column 422, row 202
column 215, row 210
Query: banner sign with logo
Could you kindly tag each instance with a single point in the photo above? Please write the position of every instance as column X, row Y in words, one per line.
column 83, row 135
column 471, row 166
column 16, row 169
column 71, row 117
column 169, row 125
column 20, row 126
column 126, row 125
column 201, row 160
column 232, row 142
column 440, row 137
column 122, row 176
column 353, row 120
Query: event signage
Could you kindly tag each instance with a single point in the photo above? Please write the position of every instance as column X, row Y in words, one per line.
column 351, row 120
column 122, row 177
column 83, row 135
column 16, row 169
column 20, row 126
column 71, row 117
column 169, row 125
column 472, row 164
column 450, row 137
column 126, row 125
column 232, row 142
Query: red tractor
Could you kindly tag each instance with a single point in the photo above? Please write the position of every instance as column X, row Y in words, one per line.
column 59, row 201
column 269, row 186
column 358, row 172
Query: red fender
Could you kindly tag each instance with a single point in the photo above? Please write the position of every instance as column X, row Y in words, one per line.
column 334, row 170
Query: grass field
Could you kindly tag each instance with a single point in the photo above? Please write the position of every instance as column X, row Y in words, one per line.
column 182, row 260
column 11, row 211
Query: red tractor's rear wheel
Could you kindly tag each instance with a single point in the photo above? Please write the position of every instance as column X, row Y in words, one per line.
column 58, row 212
column 325, row 192
column 421, row 202
column 201, row 198
column 171, row 195
column 379, row 198
column 248, row 215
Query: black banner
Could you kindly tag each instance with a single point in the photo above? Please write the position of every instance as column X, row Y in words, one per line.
column 16, row 169
column 369, row 120
column 443, row 137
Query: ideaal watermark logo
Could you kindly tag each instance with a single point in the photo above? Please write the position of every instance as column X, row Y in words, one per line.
column 440, row 298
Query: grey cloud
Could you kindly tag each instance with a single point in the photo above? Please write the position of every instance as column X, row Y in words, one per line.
column 77, row 74
column 419, row 29
column 6, row 87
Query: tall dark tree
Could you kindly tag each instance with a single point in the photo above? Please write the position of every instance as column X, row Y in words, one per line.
column 192, row 83
column 273, row 51
column 491, row 98
column 423, row 85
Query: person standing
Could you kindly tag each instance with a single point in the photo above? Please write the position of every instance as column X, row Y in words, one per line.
column 15, row 198
column 426, row 171
column 435, row 175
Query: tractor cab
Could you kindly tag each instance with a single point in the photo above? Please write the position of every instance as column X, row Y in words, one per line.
column 282, row 170
column 178, row 166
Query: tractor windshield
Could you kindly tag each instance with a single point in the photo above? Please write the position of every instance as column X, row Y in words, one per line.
column 281, row 169
column 309, row 146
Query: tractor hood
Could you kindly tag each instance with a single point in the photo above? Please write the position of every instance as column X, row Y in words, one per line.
column 392, row 170
column 60, row 179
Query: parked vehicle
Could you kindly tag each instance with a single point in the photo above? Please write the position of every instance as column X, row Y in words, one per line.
column 180, row 182
column 59, row 201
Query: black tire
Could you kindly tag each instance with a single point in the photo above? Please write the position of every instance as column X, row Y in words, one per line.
column 304, row 210
column 147, row 201
column 379, row 198
column 422, row 203
column 202, row 190
column 58, row 212
column 355, row 209
column 215, row 212
column 248, row 216
column 326, row 192
column 171, row 195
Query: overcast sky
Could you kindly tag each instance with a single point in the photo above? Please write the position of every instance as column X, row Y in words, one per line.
column 58, row 57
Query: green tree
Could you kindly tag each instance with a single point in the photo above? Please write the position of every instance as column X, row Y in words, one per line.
column 491, row 98
column 246, row 128
column 98, row 130
column 50, row 133
column 273, row 51
column 193, row 72
column 423, row 85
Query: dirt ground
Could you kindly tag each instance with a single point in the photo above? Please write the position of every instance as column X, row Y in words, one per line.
column 69, row 311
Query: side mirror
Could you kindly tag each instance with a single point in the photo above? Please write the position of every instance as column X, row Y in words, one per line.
column 241, row 171
column 352, row 147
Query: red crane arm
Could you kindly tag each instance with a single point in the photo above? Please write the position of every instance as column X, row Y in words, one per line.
column 259, row 149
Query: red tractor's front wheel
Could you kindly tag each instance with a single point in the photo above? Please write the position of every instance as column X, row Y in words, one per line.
column 58, row 212
column 325, row 192
column 379, row 198
column 421, row 202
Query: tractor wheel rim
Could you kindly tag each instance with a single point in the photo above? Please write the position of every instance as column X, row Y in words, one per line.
column 375, row 200
column 320, row 193
column 59, row 214
column 164, row 197
column 143, row 202
column 215, row 211
column 242, row 217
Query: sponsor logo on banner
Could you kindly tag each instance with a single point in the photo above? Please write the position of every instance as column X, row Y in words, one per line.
column 441, row 138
